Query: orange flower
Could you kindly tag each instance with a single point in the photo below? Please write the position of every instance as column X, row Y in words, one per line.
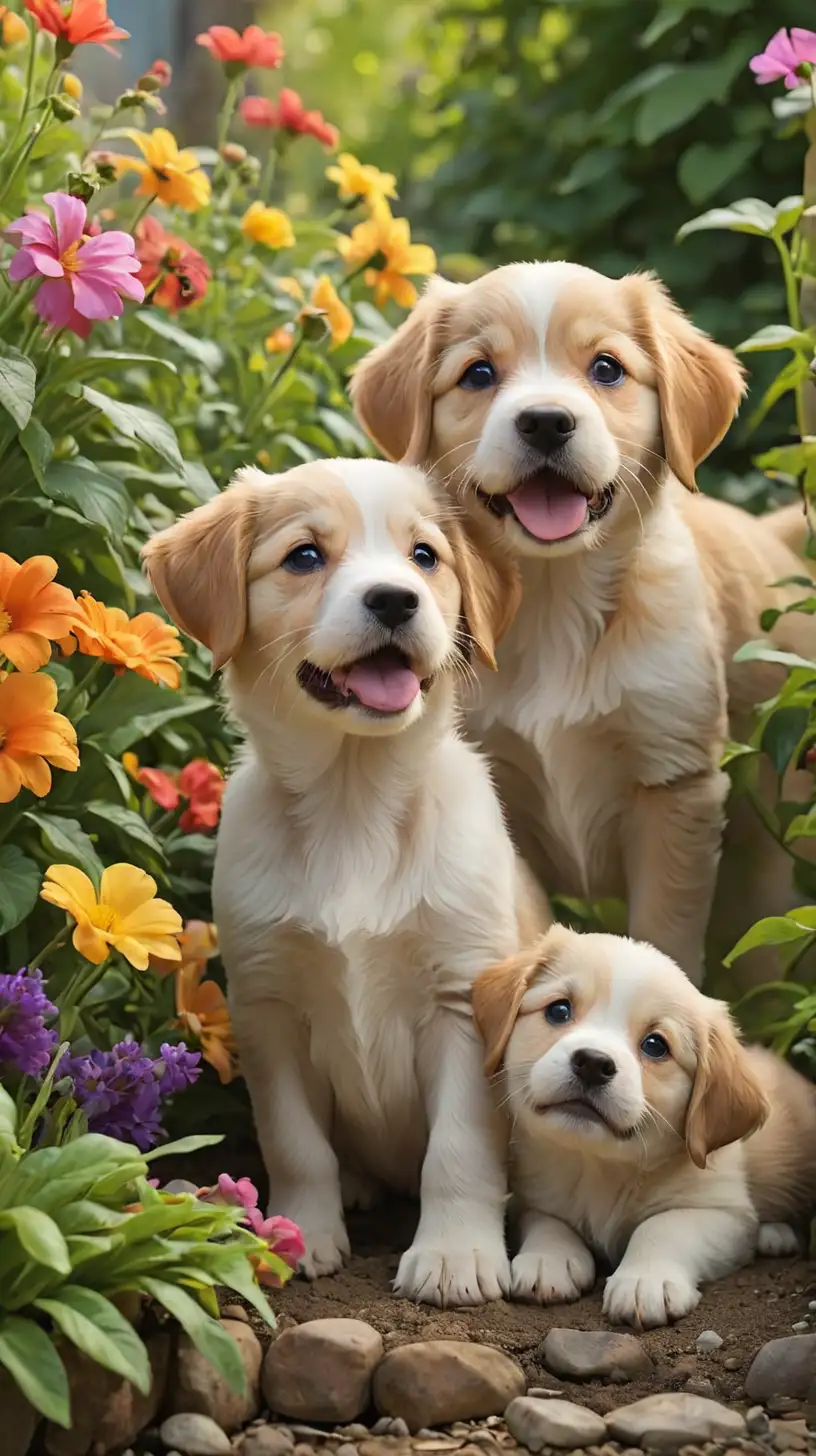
column 203, row 1011
column 32, row 610
column 280, row 340
column 146, row 644
column 256, row 47
column 31, row 733
column 199, row 943
column 82, row 22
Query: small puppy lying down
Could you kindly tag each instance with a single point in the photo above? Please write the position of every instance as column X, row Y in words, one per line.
column 630, row 1096
column 364, row 876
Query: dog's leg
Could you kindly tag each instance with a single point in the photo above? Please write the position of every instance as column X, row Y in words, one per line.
column 669, row 1256
column 292, row 1105
column 672, row 842
column 553, row 1265
column 458, row 1256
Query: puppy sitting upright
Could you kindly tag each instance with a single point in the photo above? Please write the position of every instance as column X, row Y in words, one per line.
column 364, row 876
column 629, row 1093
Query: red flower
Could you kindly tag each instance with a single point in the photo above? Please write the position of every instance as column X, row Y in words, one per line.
column 160, row 786
column 202, row 783
column 163, row 72
column 79, row 22
column 256, row 47
column 289, row 115
column 173, row 274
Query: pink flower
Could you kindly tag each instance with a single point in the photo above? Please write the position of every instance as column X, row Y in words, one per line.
column 284, row 1239
column 84, row 277
column 784, row 56
column 239, row 1193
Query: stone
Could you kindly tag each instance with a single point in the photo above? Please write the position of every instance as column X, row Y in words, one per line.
column 20, row 1420
column 442, row 1381
column 194, row 1434
column 235, row 1312
column 548, row 1386
column 801, row 1327
column 674, row 1419
column 783, row 1367
column 539, row 1423
column 107, row 1412
column 356, row 1431
column 321, row 1370
column 732, row 1363
column 707, row 1342
column 595, row 1355
column 346, row 1448
column 198, row 1389
column 698, row 1385
column 268, row 1441
column 757, row 1421
column 399, row 1427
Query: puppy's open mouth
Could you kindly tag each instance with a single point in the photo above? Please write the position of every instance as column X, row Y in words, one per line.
column 384, row 683
column 549, row 506
column 585, row 1112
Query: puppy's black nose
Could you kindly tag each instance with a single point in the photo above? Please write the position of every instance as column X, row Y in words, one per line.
column 592, row 1068
column 547, row 428
column 391, row 605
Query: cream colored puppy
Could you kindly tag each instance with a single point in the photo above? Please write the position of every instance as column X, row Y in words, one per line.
column 570, row 410
column 364, row 875
column 630, row 1096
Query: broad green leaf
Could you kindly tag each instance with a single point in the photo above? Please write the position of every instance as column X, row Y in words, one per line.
column 703, row 170
column 207, row 1334
column 591, row 168
column 39, row 1236
column 132, row 708
column 130, row 823
column 83, row 1216
column 20, row 881
column 788, row 213
column 31, row 1360
column 240, row 1276
column 39, row 448
column 802, row 827
column 8, row 1119
column 190, row 1144
column 203, row 351
column 97, row 495
column 763, row 651
column 686, row 92
column 734, row 751
column 775, row 930
column 96, row 1327
column 105, row 360
column 774, row 336
column 18, row 384
column 752, row 215
column 139, row 424
column 782, row 735
column 67, row 842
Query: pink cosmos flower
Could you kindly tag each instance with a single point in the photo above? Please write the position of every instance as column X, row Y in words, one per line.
column 84, row 277
column 783, row 56
column 284, row 1239
column 240, row 1193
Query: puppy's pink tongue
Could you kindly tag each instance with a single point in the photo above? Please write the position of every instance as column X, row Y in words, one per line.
column 549, row 507
column 383, row 682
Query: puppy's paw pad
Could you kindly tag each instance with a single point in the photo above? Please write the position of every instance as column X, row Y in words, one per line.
column 649, row 1300
column 359, row 1191
column 777, row 1241
column 325, row 1253
column 447, row 1276
column 554, row 1278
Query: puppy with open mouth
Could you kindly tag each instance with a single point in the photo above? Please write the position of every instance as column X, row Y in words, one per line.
column 630, row 1096
column 364, row 875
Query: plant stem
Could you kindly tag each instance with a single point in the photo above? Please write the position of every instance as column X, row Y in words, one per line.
column 56, row 943
column 791, row 289
column 228, row 111
column 79, row 687
column 29, row 85
column 26, row 1131
column 270, row 168
column 140, row 212
column 258, row 411
column 71, row 1001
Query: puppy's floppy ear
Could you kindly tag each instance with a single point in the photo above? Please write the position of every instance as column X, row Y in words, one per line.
column 197, row 567
column 491, row 586
column 392, row 387
column 727, row 1100
column 700, row 383
column 497, row 996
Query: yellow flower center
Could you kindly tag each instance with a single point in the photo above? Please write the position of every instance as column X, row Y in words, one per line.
column 5, row 620
column 69, row 260
column 103, row 917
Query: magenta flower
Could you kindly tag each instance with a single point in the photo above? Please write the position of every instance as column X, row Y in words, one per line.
column 84, row 277
column 784, row 56
column 240, row 1192
column 284, row 1239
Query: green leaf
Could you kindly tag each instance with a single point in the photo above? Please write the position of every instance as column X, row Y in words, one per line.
column 20, row 881
column 130, row 823
column 752, row 215
column 39, row 1236
column 203, row 351
column 782, row 735
column 788, row 213
column 190, row 1144
column 240, row 1276
column 590, row 168
column 39, row 448
column 207, row 1334
column 775, row 930
column 18, row 384
column 97, row 496
column 733, row 751
column 67, row 842
column 686, row 92
column 774, row 336
column 31, row 1360
column 8, row 1119
column 139, row 424
column 762, row 651
column 96, row 1327
column 802, row 827
column 132, row 708
column 704, row 170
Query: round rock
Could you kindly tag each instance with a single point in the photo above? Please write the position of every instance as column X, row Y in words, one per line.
column 268, row 1441
column 442, row 1381
column 707, row 1342
column 667, row 1422
column 198, row 1388
column 553, row 1422
column 783, row 1367
column 194, row 1435
column 321, row 1370
column 595, row 1355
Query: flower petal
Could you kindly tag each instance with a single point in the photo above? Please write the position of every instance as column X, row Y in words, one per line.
column 10, row 779
column 21, row 266
column 29, row 651
column 69, row 888
column 70, row 214
column 95, row 299
column 90, row 942
column 125, row 888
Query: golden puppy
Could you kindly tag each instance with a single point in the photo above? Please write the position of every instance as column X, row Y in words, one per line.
column 570, row 410
column 364, row 876
column 630, row 1095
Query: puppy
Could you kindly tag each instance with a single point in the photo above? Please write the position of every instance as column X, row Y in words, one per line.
column 629, row 1094
column 570, row 410
column 364, row 875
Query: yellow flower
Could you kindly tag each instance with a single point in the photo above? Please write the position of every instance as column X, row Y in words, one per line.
column 125, row 916
column 267, row 225
column 358, row 179
column 72, row 86
column 280, row 340
column 326, row 300
column 256, row 362
column 401, row 259
column 291, row 288
column 173, row 176
column 14, row 28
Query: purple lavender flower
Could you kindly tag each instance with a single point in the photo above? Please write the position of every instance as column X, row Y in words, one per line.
column 121, row 1091
column 26, row 1043
column 178, row 1068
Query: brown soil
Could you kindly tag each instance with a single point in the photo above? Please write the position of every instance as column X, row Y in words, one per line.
column 750, row 1307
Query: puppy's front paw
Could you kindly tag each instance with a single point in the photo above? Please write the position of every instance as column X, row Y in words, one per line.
column 326, row 1250
column 557, row 1277
column 778, row 1241
column 453, row 1275
column 649, row 1297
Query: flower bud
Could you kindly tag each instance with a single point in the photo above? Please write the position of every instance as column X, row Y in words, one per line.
column 15, row 30
column 83, row 185
column 148, row 82
column 130, row 99
column 314, row 324
column 163, row 72
column 72, row 86
column 232, row 153
column 249, row 171
column 63, row 108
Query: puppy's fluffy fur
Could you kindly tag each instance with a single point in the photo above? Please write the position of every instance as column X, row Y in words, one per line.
column 364, row 875
column 607, row 718
column 629, row 1094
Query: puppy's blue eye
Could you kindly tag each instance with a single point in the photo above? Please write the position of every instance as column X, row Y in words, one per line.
column 303, row 559
column 606, row 369
column 480, row 375
column 558, row 1013
column 655, row 1047
column 425, row 556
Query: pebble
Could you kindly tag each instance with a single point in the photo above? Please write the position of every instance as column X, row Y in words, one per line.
column 322, row 1370
column 560, row 1423
column 268, row 1441
column 595, row 1355
column 194, row 1434
column 801, row 1327
column 707, row 1342
column 549, row 1386
column 672, row 1419
column 698, row 1385
column 346, row 1448
column 783, row 1405
column 783, row 1367
column 235, row 1312
column 442, row 1381
column 732, row 1363
column 197, row 1388
column 355, row 1431
column 757, row 1421
column 382, row 1427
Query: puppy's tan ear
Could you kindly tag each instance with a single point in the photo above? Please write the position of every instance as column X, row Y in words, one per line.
column 392, row 387
column 197, row 569
column 727, row 1100
column 497, row 996
column 700, row 383
column 491, row 586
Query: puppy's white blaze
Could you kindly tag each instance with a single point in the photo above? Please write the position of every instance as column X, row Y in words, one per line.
column 538, row 287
